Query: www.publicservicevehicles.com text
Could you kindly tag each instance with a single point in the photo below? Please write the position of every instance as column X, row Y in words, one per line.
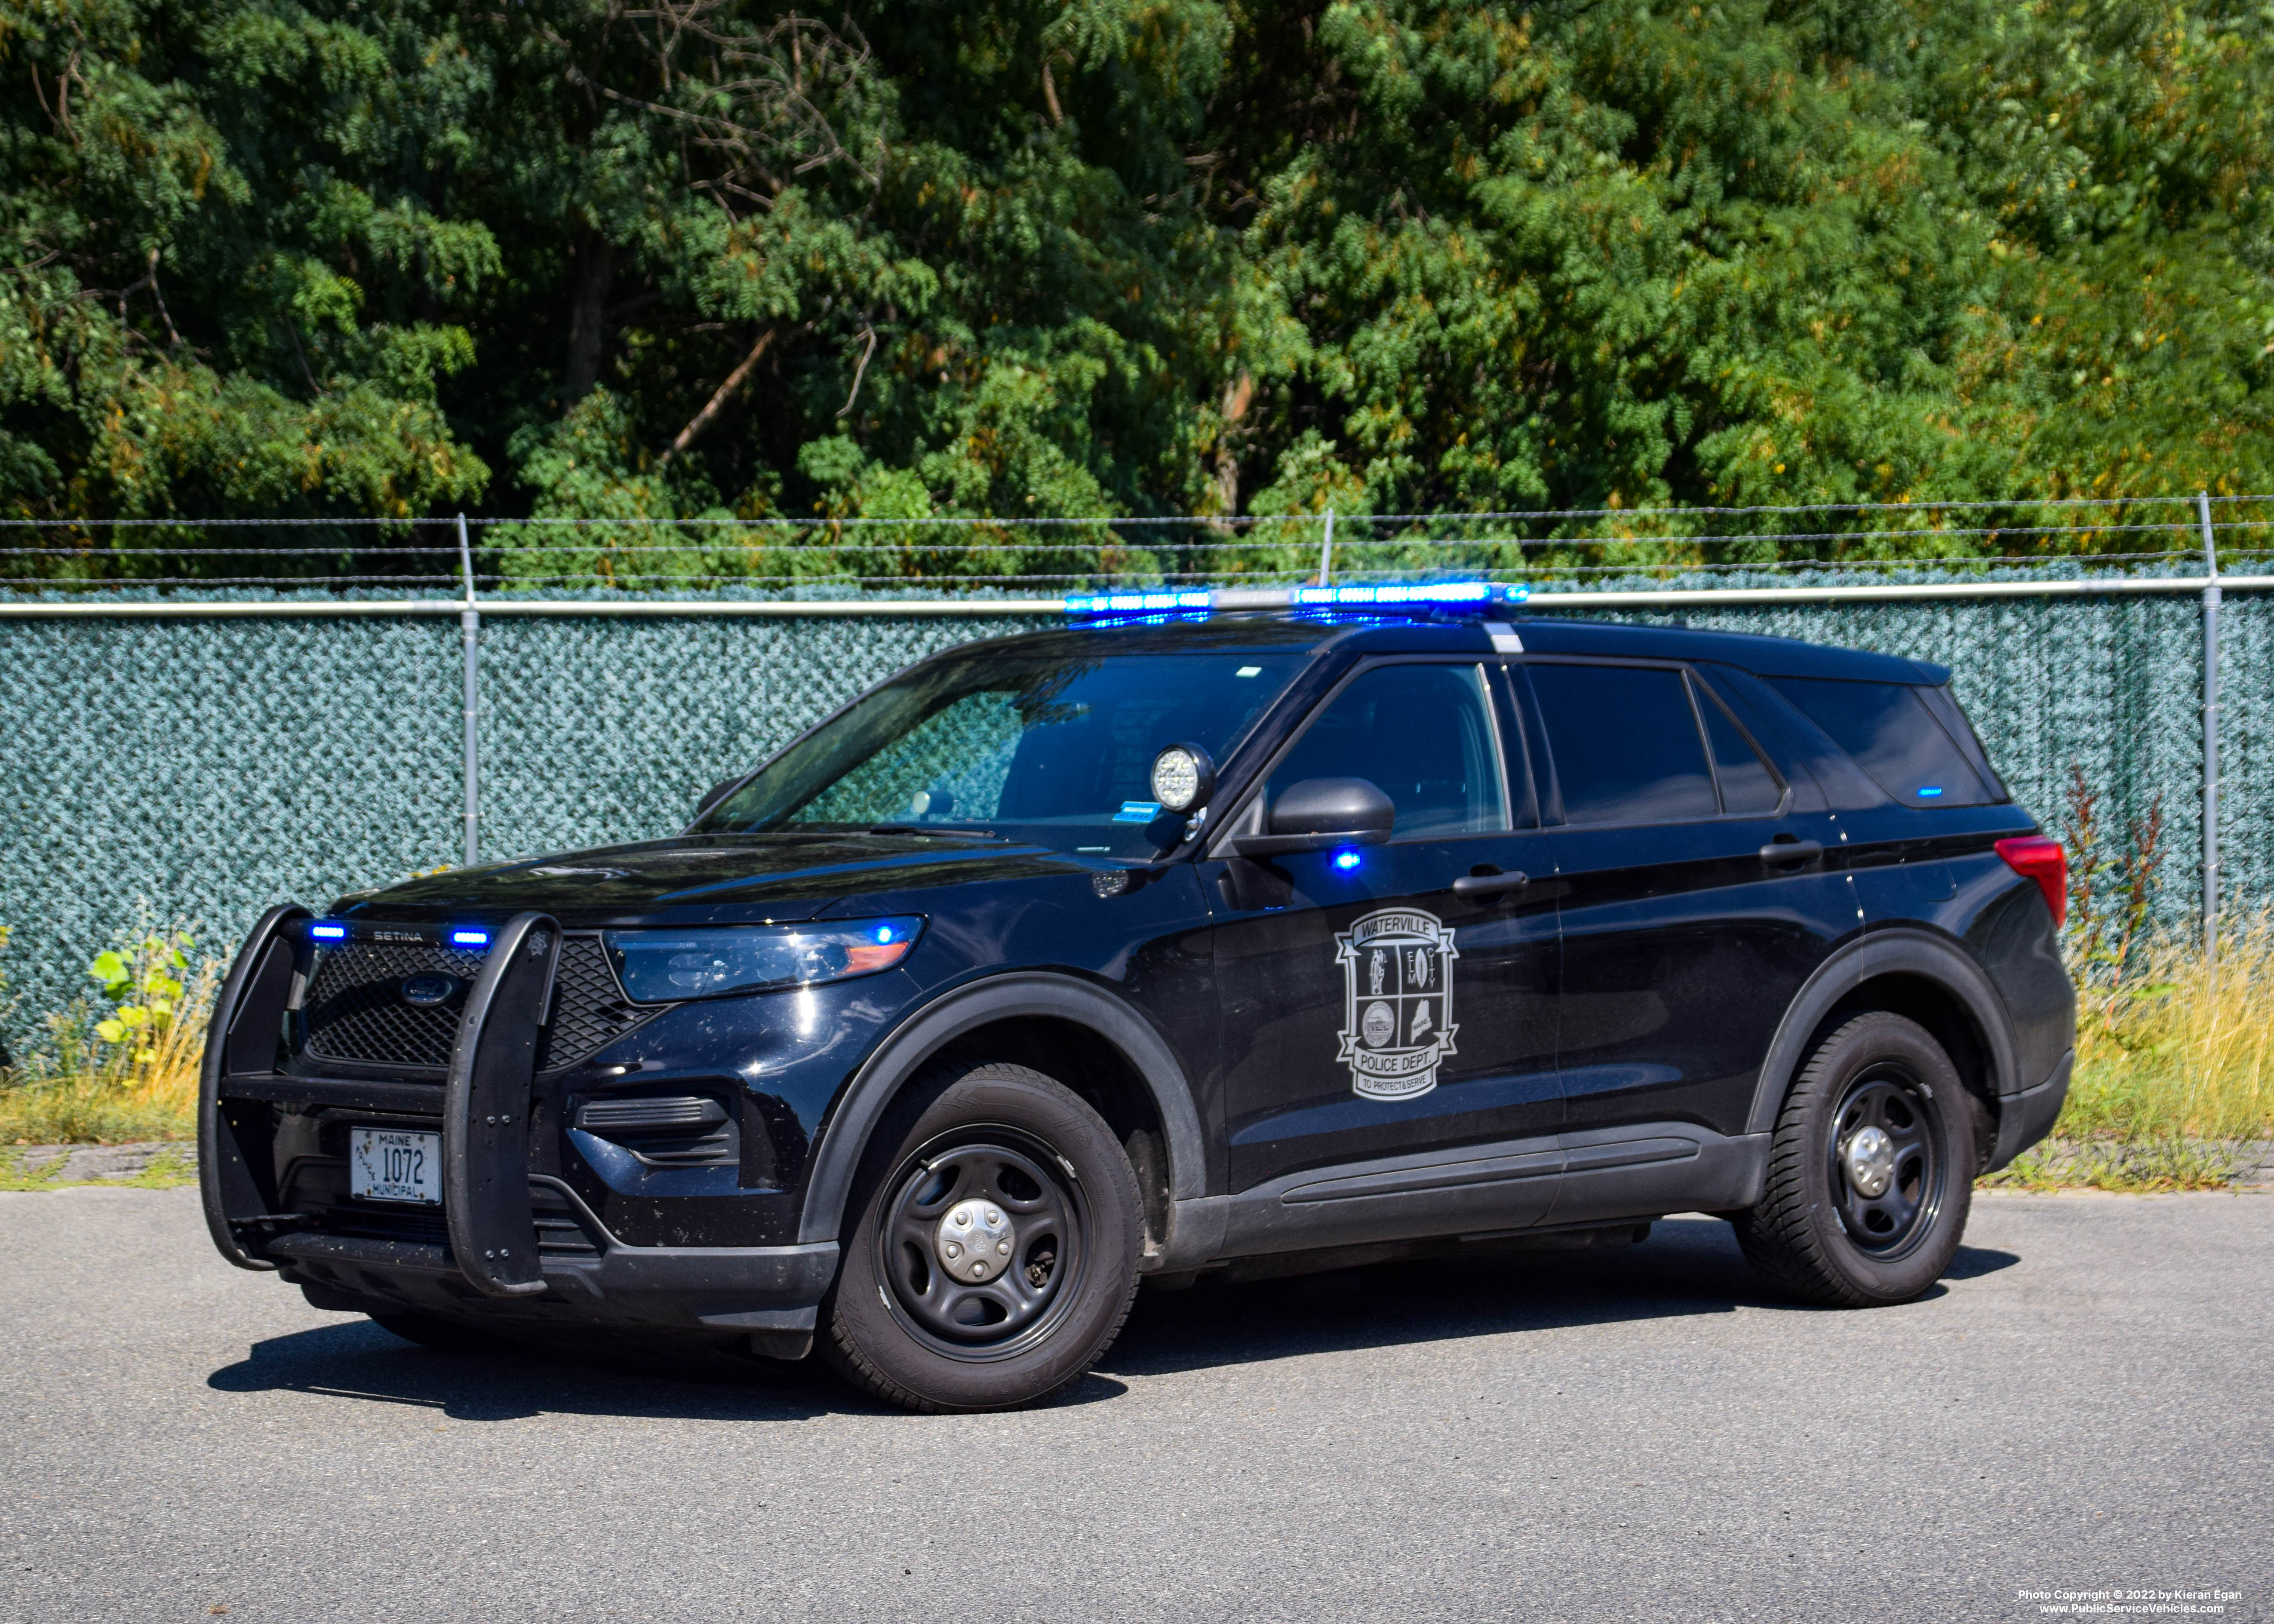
column 2103, row 1604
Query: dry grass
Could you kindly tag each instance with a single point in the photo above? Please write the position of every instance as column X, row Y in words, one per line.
column 2174, row 1072
column 89, row 1092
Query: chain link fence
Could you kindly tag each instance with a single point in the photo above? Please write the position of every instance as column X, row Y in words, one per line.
column 202, row 768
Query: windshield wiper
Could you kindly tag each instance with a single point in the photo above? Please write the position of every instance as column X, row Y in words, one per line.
column 934, row 829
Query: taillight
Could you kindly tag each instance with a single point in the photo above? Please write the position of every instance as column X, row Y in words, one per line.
column 2041, row 859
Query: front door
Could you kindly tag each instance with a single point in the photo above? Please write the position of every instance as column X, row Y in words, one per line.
column 1370, row 1008
column 1684, row 935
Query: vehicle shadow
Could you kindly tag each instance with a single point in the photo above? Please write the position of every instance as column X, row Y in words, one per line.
column 1689, row 1267
column 356, row 1360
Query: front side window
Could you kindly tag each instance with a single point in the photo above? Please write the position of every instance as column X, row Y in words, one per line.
column 1423, row 735
column 1044, row 747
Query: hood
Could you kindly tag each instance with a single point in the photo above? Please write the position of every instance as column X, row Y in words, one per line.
column 724, row 879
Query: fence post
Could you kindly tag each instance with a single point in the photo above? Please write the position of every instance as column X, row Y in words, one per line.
column 2210, row 732
column 1327, row 552
column 470, row 634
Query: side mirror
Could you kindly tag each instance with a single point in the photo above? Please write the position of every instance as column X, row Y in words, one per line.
column 713, row 796
column 1320, row 813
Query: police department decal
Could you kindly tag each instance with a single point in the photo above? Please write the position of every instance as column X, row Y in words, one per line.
column 1398, row 1004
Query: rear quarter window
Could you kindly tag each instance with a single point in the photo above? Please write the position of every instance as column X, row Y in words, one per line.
column 1893, row 736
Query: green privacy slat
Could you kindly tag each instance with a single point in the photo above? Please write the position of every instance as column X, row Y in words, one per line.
column 212, row 768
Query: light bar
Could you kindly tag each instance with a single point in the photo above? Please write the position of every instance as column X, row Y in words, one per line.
column 1141, row 603
column 469, row 938
column 1423, row 595
column 1426, row 592
column 329, row 932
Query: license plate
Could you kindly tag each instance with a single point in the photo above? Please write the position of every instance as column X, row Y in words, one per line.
column 389, row 1164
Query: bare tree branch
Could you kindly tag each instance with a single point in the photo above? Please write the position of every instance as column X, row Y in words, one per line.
column 859, row 371
column 717, row 403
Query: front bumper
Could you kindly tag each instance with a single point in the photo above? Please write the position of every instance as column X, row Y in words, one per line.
column 768, row 1294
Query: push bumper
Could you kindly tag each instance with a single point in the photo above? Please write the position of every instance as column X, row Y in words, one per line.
column 493, row 1267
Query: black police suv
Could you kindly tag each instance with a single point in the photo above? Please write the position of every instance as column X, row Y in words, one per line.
column 1239, row 945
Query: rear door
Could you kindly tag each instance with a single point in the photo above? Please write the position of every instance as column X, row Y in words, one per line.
column 1370, row 1008
column 1685, row 935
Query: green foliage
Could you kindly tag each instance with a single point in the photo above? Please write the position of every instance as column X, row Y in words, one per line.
column 141, row 981
column 585, row 259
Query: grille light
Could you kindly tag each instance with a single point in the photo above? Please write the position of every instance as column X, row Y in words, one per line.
column 329, row 932
column 469, row 938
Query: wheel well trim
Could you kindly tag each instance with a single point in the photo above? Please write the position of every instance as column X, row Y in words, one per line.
column 1884, row 952
column 844, row 1135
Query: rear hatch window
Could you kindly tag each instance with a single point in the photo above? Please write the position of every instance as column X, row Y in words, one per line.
column 1895, row 736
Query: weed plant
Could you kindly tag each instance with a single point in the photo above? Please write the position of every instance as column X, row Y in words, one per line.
column 122, row 1065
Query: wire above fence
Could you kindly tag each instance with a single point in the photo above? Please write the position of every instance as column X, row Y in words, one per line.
column 922, row 557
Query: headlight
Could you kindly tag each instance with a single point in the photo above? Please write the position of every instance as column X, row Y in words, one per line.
column 664, row 966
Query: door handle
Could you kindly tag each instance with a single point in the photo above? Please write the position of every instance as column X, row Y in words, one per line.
column 1490, row 884
column 1792, row 851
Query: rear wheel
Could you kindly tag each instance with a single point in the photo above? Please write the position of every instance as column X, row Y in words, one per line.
column 1871, row 1169
column 995, row 1252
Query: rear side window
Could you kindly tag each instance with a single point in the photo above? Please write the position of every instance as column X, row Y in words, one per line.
column 1747, row 783
column 1625, row 744
column 1893, row 736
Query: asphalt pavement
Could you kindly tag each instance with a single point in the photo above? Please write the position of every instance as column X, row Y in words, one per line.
column 2086, row 1404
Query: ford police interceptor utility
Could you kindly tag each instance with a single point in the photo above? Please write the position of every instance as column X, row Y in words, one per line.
column 1165, row 946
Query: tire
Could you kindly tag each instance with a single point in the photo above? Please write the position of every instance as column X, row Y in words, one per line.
column 1851, row 1222
column 1015, row 1173
column 441, row 1336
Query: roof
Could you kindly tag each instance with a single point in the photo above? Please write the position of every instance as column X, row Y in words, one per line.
column 1376, row 632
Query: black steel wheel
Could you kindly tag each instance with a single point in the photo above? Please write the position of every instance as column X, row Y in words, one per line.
column 993, row 1246
column 1886, row 1169
column 1871, row 1169
column 982, row 1244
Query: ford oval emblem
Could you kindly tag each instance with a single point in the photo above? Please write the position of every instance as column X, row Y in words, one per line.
column 429, row 989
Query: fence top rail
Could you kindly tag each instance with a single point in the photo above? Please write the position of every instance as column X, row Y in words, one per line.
column 984, row 608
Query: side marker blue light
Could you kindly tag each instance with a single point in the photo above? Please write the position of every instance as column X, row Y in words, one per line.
column 1930, row 792
column 470, row 938
column 1347, row 860
column 329, row 932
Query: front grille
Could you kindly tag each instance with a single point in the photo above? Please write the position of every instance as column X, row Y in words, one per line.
column 356, row 1012
column 589, row 1010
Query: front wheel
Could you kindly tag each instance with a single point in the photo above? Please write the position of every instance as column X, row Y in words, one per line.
column 1871, row 1169
column 995, row 1253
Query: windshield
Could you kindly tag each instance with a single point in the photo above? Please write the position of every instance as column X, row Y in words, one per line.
column 1033, row 747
